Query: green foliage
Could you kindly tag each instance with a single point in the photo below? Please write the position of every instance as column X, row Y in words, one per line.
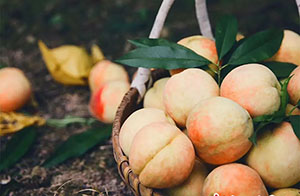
column 281, row 70
column 61, row 123
column 226, row 31
column 295, row 121
column 78, row 144
column 17, row 147
column 258, row 47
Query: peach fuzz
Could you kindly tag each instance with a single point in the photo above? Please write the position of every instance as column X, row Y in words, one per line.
column 289, row 50
column 253, row 86
column 287, row 192
column 276, row 156
column 219, row 129
column 193, row 185
column 106, row 100
column 161, row 155
column 15, row 89
column 154, row 96
column 202, row 46
column 184, row 90
column 106, row 71
column 138, row 120
column 294, row 86
column 234, row 179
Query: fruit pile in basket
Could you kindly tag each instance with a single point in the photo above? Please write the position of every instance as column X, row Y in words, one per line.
column 227, row 121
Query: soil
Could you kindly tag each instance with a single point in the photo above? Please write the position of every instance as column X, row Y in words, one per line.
column 109, row 24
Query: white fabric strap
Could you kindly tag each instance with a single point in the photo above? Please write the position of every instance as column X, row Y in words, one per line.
column 143, row 74
column 203, row 19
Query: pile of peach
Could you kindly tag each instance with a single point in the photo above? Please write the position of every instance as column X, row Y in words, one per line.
column 192, row 136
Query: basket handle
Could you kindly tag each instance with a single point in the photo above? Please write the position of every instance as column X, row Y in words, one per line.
column 144, row 74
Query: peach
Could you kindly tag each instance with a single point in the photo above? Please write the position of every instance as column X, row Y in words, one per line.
column 289, row 108
column 294, row 86
column 193, row 185
column 289, row 50
column 184, row 90
column 106, row 71
column 202, row 46
column 138, row 120
column 219, row 129
column 154, row 96
column 15, row 89
column 254, row 87
column 234, row 179
column 276, row 156
column 105, row 101
column 161, row 155
column 286, row 192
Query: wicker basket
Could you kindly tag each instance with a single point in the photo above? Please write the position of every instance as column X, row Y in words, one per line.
column 129, row 105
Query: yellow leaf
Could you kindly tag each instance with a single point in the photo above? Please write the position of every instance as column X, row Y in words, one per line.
column 12, row 122
column 67, row 64
column 97, row 54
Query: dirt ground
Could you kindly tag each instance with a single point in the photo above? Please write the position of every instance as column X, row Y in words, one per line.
column 109, row 24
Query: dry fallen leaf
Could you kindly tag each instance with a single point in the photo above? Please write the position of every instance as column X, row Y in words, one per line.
column 12, row 122
column 70, row 64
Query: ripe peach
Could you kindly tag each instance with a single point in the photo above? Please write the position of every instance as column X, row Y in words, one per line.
column 161, row 155
column 184, row 90
column 289, row 107
column 286, row 192
column 106, row 71
column 193, row 185
column 15, row 89
column 138, row 120
column 202, row 46
column 289, row 50
column 105, row 101
column 234, row 179
column 294, row 86
column 254, row 87
column 219, row 129
column 154, row 96
column 276, row 156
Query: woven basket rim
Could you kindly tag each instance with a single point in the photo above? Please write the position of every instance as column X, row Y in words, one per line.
column 129, row 100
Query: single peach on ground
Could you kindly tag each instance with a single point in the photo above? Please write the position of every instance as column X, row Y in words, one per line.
column 219, row 128
column 289, row 50
column 193, row 185
column 253, row 86
column 286, row 192
column 234, row 179
column 154, row 96
column 138, row 120
column 106, row 100
column 15, row 89
column 202, row 46
column 106, row 71
column 161, row 155
column 294, row 86
column 184, row 90
column 276, row 157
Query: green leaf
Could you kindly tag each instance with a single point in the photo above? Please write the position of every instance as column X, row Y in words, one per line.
column 284, row 97
column 2, row 66
column 281, row 70
column 60, row 123
column 78, row 144
column 17, row 147
column 226, row 31
column 165, row 57
column 148, row 42
column 295, row 121
column 258, row 47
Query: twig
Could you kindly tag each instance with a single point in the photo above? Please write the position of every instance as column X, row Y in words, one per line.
column 203, row 19
column 143, row 74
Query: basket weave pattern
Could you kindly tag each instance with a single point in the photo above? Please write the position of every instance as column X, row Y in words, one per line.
column 128, row 105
